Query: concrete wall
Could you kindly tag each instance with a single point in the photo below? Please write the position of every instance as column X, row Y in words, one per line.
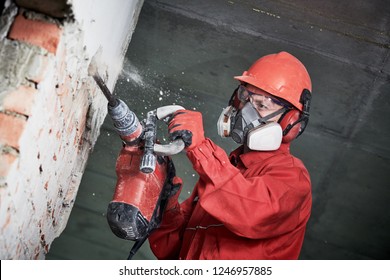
column 51, row 110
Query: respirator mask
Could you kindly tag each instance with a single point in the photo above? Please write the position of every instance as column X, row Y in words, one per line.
column 246, row 126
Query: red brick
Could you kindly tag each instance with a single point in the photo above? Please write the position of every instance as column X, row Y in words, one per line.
column 20, row 100
column 11, row 128
column 6, row 161
column 36, row 32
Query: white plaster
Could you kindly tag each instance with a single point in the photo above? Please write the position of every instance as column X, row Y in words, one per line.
column 107, row 25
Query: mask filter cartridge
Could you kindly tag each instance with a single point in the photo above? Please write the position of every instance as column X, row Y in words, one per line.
column 247, row 126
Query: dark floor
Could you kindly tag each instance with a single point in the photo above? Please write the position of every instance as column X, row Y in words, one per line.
column 186, row 52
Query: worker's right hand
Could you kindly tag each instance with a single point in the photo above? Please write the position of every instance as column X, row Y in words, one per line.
column 187, row 125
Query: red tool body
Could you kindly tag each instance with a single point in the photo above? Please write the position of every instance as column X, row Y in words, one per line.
column 134, row 207
column 142, row 166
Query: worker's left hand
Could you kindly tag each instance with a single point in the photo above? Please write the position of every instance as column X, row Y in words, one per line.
column 187, row 125
column 173, row 187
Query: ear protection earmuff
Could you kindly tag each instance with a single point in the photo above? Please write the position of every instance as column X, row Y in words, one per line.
column 294, row 122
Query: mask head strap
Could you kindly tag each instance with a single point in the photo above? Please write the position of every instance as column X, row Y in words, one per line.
column 233, row 101
column 270, row 116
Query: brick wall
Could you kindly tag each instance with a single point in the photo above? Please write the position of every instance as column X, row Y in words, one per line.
column 50, row 115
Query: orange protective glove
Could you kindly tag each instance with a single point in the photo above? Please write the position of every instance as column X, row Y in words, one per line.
column 187, row 125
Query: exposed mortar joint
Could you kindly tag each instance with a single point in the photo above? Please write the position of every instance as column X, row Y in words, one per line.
column 88, row 124
column 33, row 83
column 59, row 9
column 14, row 114
column 3, row 183
column 5, row 149
column 21, row 62
column 6, row 20
column 38, row 16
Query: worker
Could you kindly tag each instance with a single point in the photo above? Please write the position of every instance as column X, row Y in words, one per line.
column 255, row 203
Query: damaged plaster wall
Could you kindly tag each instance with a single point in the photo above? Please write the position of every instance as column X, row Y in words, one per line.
column 51, row 110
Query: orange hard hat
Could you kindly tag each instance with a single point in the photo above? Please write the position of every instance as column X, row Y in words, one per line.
column 281, row 75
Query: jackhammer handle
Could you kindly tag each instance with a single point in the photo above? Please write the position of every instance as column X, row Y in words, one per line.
column 175, row 146
column 165, row 111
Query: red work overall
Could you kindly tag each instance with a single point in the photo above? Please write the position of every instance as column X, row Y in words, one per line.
column 256, row 208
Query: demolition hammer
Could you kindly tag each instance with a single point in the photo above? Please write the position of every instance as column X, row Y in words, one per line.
column 142, row 185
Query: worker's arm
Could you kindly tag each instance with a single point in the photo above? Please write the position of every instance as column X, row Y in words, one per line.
column 261, row 206
column 165, row 241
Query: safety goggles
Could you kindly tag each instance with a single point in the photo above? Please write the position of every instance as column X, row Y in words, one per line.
column 244, row 95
